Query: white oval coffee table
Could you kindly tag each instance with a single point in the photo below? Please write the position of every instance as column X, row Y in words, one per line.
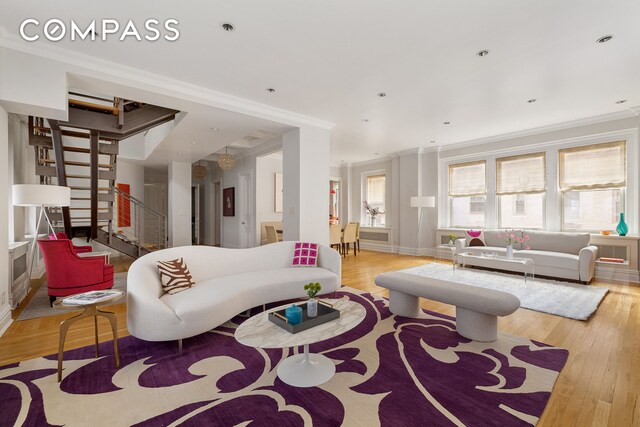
column 306, row 369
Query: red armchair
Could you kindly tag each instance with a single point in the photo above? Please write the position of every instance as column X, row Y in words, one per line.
column 76, row 249
column 68, row 274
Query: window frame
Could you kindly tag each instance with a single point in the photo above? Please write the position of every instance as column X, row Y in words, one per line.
column 364, row 215
column 451, row 198
column 593, row 187
column 541, row 190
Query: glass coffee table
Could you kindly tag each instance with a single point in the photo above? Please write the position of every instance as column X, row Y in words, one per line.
column 494, row 261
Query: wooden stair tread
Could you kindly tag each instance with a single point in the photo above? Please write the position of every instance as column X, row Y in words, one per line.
column 74, row 163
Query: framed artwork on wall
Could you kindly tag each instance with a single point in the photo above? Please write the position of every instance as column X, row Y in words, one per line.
column 123, row 206
column 229, row 201
column 277, row 192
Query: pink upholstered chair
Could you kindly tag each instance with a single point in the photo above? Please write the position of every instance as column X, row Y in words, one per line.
column 68, row 274
column 63, row 236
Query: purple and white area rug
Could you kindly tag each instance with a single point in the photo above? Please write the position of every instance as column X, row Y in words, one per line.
column 390, row 371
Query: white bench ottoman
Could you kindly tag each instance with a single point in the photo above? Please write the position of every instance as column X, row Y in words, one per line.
column 476, row 308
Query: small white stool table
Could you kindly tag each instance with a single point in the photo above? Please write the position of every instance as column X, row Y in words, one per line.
column 306, row 369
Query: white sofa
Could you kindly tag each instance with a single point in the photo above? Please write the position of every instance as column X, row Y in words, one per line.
column 555, row 254
column 228, row 282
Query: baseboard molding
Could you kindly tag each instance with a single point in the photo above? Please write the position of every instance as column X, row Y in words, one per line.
column 5, row 319
column 402, row 250
column 617, row 274
column 377, row 247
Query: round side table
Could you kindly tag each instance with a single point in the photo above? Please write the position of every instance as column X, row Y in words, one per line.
column 305, row 369
column 90, row 309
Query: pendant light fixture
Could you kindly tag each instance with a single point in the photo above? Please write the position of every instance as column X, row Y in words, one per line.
column 226, row 161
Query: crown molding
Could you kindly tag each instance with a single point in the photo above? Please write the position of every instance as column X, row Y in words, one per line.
column 371, row 161
column 603, row 118
column 126, row 75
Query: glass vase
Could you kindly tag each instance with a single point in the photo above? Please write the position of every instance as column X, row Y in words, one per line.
column 622, row 227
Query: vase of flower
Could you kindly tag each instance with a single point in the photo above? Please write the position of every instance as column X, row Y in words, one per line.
column 510, row 251
column 373, row 212
column 622, row 227
column 512, row 237
column 312, row 303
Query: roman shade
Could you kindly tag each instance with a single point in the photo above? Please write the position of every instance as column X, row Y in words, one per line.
column 376, row 190
column 524, row 174
column 468, row 179
column 593, row 166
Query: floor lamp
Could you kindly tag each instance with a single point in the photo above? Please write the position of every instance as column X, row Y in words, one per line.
column 42, row 196
column 421, row 202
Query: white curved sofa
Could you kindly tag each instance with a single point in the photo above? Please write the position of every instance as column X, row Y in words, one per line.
column 228, row 282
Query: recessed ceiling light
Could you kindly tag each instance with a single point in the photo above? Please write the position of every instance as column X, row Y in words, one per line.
column 482, row 53
column 622, row 101
column 194, row 143
column 432, row 142
column 215, row 129
column 382, row 94
column 227, row 26
column 375, row 154
column 531, row 101
column 180, row 153
column 365, row 120
column 270, row 90
column 604, row 39
column 446, row 123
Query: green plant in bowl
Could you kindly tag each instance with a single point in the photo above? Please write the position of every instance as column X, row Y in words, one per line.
column 312, row 289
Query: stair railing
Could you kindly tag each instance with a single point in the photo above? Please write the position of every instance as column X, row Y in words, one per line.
column 147, row 229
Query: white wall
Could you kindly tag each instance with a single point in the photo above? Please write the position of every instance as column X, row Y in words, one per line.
column 32, row 85
column 5, row 312
column 179, row 195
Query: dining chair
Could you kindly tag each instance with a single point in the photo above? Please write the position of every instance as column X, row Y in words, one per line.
column 272, row 234
column 348, row 237
column 335, row 236
column 357, row 234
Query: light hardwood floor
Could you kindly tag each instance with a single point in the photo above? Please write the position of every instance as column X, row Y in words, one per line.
column 599, row 386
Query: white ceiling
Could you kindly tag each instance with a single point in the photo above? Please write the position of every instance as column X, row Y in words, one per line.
column 328, row 59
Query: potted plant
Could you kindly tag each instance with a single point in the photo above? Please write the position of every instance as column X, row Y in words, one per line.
column 312, row 305
column 452, row 239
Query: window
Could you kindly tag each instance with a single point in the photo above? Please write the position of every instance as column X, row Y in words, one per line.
column 521, row 190
column 467, row 194
column 375, row 196
column 593, row 183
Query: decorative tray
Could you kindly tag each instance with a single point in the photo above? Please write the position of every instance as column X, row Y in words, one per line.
column 326, row 313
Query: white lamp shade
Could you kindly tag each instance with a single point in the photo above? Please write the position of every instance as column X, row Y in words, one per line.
column 423, row 202
column 40, row 195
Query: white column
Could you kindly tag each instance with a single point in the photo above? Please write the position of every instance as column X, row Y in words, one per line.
column 305, row 153
column 5, row 312
column 179, row 215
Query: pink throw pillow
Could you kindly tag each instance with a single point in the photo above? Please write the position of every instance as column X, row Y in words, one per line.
column 305, row 255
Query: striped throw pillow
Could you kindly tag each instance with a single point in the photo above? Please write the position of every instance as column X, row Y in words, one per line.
column 175, row 276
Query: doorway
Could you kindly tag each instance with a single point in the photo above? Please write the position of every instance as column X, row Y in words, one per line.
column 247, row 239
column 197, row 214
column 217, row 194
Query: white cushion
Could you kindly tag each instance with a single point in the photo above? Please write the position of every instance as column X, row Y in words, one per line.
column 253, row 288
column 551, row 259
